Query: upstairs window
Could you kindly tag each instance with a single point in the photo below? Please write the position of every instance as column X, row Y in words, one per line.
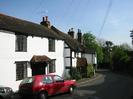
column 21, row 43
column 51, row 45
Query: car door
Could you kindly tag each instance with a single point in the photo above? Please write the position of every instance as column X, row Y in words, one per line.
column 58, row 84
column 48, row 85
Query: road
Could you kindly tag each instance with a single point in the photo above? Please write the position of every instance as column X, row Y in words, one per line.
column 109, row 86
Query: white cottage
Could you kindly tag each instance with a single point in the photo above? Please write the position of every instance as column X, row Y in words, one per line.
column 23, row 44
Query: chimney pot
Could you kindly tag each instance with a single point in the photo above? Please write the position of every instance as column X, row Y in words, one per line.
column 79, row 31
column 45, row 22
column 46, row 18
column 71, row 32
column 43, row 19
column 79, row 34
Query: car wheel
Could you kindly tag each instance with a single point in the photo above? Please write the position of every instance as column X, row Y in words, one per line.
column 71, row 89
column 43, row 95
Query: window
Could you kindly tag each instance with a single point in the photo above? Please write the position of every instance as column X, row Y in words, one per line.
column 21, row 70
column 21, row 43
column 57, row 78
column 47, row 80
column 51, row 45
column 27, row 80
column 52, row 66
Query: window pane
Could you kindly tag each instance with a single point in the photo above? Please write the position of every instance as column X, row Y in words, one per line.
column 52, row 66
column 57, row 78
column 27, row 80
column 47, row 80
column 21, row 43
column 21, row 70
column 51, row 45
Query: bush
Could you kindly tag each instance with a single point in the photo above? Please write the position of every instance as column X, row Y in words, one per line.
column 75, row 74
column 90, row 70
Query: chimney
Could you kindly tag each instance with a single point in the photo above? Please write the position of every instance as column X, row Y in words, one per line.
column 71, row 32
column 45, row 22
column 79, row 36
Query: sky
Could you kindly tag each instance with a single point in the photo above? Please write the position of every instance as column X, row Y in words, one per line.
column 110, row 20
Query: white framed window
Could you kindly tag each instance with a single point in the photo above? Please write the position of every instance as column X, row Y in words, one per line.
column 21, row 70
column 52, row 66
column 21, row 43
column 51, row 45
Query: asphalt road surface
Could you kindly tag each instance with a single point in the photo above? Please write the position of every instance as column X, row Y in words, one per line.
column 109, row 86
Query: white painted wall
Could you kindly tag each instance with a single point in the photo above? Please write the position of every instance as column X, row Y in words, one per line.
column 59, row 56
column 35, row 46
column 7, row 57
column 91, row 58
column 39, row 46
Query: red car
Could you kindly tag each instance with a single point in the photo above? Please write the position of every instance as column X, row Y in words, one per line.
column 42, row 86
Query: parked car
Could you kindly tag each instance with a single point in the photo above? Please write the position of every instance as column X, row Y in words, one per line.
column 42, row 86
column 5, row 92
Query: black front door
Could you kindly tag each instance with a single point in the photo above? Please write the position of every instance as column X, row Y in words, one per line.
column 38, row 68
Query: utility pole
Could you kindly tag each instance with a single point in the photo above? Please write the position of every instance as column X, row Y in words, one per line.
column 131, row 35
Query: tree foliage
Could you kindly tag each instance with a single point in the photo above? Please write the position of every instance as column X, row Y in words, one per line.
column 91, row 42
column 120, row 58
column 116, row 57
column 125, row 46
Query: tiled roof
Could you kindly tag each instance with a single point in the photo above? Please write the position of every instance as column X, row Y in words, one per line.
column 72, row 43
column 25, row 27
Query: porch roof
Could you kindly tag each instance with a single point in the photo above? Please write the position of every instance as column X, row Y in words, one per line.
column 39, row 58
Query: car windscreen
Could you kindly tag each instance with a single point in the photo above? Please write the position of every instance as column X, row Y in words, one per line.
column 27, row 80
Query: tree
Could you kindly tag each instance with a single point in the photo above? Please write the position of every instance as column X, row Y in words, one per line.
column 107, row 50
column 120, row 58
column 125, row 46
column 109, row 44
column 91, row 42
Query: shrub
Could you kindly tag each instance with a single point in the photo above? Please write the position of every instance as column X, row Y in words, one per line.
column 90, row 70
column 75, row 74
